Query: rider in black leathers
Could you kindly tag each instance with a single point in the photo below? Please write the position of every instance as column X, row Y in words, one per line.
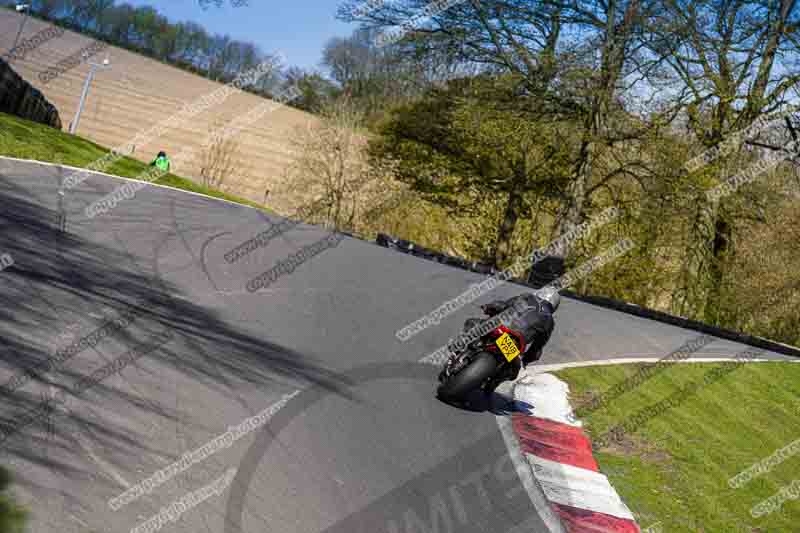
column 535, row 322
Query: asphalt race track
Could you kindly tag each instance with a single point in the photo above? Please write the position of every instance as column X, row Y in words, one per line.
column 362, row 447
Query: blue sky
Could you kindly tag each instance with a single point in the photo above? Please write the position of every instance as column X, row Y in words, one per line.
column 297, row 28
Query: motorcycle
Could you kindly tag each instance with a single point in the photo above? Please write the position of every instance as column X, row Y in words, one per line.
column 482, row 365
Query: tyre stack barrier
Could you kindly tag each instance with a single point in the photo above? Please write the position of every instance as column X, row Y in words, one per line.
column 416, row 250
column 546, row 271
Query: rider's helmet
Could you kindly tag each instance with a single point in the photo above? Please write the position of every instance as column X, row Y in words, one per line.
column 161, row 154
column 550, row 295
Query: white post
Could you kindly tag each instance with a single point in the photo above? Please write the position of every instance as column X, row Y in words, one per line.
column 21, row 8
column 74, row 125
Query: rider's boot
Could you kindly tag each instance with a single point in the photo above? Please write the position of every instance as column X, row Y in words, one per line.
column 533, row 357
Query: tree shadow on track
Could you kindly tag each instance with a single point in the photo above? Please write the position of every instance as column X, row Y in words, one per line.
column 61, row 279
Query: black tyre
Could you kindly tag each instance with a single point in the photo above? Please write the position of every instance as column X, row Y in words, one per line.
column 481, row 368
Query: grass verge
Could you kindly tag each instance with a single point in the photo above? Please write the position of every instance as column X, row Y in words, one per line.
column 674, row 468
column 24, row 139
column 12, row 517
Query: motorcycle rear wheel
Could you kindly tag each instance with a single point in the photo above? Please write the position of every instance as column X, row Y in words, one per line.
column 470, row 378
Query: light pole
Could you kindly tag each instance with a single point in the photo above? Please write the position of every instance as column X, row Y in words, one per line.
column 73, row 127
column 26, row 8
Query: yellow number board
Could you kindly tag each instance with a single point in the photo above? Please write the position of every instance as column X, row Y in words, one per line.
column 508, row 347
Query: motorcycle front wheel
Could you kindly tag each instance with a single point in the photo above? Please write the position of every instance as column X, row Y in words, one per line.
column 482, row 367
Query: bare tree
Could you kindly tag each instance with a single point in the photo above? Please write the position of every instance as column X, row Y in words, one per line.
column 331, row 164
column 47, row 8
column 735, row 61
column 219, row 158
column 378, row 76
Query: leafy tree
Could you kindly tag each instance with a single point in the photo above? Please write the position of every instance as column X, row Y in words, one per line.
column 471, row 140
column 316, row 92
column 574, row 59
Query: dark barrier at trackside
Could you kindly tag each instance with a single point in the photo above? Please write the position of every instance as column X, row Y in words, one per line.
column 548, row 269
